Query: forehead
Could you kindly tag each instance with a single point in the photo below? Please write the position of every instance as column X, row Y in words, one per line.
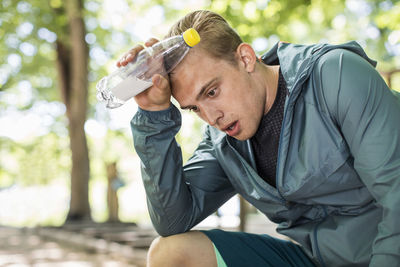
column 197, row 63
column 196, row 69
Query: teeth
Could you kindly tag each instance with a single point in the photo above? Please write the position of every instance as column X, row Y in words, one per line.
column 230, row 128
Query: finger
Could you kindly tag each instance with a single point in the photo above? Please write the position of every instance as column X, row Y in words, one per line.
column 151, row 42
column 129, row 56
column 159, row 81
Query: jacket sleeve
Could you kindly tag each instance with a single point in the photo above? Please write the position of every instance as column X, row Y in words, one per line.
column 368, row 115
column 178, row 197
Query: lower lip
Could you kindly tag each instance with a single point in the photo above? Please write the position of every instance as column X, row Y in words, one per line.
column 234, row 130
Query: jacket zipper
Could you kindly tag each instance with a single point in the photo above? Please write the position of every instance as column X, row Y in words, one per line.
column 300, row 78
column 281, row 199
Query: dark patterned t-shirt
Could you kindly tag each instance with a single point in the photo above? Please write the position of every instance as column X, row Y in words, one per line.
column 265, row 142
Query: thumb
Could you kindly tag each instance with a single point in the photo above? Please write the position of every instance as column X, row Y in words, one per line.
column 160, row 82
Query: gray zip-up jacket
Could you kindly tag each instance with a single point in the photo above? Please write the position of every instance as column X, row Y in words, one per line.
column 338, row 172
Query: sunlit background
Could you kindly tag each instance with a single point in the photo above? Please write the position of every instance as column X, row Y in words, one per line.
column 35, row 159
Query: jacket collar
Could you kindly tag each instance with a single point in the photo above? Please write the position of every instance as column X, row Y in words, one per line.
column 296, row 61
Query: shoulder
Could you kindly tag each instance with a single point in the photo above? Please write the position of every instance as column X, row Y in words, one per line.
column 345, row 78
column 345, row 71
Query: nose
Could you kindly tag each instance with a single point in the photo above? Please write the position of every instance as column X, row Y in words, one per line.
column 211, row 115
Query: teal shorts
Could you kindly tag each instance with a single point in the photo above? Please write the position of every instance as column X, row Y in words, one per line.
column 244, row 249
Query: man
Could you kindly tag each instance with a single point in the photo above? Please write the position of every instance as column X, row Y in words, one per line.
column 309, row 135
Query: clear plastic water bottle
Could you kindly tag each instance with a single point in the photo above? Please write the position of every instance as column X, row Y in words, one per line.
column 132, row 79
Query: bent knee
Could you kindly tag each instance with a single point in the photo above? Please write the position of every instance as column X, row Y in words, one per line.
column 186, row 249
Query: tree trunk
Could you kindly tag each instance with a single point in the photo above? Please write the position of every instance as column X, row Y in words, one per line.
column 112, row 196
column 72, row 62
column 243, row 214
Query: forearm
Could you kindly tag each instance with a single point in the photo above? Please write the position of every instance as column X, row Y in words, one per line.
column 178, row 197
column 167, row 194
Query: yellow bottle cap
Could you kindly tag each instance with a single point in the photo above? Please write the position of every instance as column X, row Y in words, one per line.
column 191, row 37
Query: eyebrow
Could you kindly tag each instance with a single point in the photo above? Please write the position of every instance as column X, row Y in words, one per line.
column 203, row 88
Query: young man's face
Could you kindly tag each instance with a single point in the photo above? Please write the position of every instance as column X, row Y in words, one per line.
column 223, row 95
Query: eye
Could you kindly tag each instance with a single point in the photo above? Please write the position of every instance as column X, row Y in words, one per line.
column 194, row 109
column 212, row 92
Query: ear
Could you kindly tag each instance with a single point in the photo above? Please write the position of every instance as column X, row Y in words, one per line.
column 247, row 57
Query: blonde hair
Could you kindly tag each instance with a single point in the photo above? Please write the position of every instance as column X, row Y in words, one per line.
column 218, row 39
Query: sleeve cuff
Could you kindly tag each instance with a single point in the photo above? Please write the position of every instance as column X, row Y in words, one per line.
column 171, row 113
column 159, row 112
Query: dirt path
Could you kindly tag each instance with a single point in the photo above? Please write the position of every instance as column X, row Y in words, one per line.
column 24, row 247
column 90, row 244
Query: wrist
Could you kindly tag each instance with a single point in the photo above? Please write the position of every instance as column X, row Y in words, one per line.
column 155, row 107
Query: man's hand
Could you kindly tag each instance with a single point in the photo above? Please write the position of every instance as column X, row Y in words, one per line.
column 158, row 96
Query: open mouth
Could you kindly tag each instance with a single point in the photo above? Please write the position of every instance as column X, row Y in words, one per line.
column 232, row 129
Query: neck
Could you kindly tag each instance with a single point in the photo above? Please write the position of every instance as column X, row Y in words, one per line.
column 268, row 77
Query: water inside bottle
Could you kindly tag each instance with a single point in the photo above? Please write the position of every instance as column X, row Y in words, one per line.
column 130, row 87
